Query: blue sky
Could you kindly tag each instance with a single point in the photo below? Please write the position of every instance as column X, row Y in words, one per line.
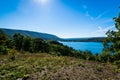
column 64, row 18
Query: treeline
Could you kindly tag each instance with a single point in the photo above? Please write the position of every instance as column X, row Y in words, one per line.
column 92, row 39
column 25, row 44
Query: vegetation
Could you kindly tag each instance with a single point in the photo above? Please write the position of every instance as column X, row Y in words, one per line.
column 47, row 67
column 111, row 51
column 3, row 40
column 24, row 44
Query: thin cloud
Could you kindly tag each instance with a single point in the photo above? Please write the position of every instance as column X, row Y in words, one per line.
column 101, row 15
column 106, row 12
column 88, row 15
column 101, row 31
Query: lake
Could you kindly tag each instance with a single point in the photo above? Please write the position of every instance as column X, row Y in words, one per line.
column 94, row 47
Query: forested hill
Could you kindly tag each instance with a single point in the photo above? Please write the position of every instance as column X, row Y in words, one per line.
column 46, row 36
column 32, row 34
column 90, row 39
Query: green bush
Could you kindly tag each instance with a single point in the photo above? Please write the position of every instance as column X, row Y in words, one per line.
column 112, row 43
column 12, row 54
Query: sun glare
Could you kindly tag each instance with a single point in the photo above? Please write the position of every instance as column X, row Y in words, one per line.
column 42, row 1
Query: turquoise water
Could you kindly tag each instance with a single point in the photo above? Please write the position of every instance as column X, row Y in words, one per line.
column 94, row 47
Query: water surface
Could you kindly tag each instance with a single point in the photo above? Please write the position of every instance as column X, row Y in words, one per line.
column 94, row 47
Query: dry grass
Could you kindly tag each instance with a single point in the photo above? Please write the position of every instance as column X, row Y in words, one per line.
column 47, row 67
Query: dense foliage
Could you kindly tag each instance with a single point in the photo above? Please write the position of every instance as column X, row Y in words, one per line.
column 3, row 41
column 111, row 51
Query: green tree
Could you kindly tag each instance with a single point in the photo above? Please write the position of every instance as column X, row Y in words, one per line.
column 18, row 41
column 3, row 37
column 112, row 42
column 3, row 46
column 27, row 43
column 39, row 45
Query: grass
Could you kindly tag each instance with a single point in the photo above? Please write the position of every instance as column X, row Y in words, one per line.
column 47, row 67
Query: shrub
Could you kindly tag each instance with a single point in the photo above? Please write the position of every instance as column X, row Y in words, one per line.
column 12, row 54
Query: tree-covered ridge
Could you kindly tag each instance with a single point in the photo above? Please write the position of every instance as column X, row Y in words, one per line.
column 32, row 34
column 90, row 39
column 46, row 36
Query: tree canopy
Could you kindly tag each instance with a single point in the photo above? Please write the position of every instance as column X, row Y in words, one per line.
column 112, row 42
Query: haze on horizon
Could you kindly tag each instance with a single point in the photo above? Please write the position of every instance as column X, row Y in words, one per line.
column 63, row 18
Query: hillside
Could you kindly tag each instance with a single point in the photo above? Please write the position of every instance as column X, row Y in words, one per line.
column 32, row 34
column 46, row 36
column 47, row 67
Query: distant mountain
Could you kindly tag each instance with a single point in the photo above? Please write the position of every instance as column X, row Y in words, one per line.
column 46, row 36
column 32, row 34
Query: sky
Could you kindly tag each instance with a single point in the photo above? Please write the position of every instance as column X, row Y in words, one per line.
column 63, row 18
